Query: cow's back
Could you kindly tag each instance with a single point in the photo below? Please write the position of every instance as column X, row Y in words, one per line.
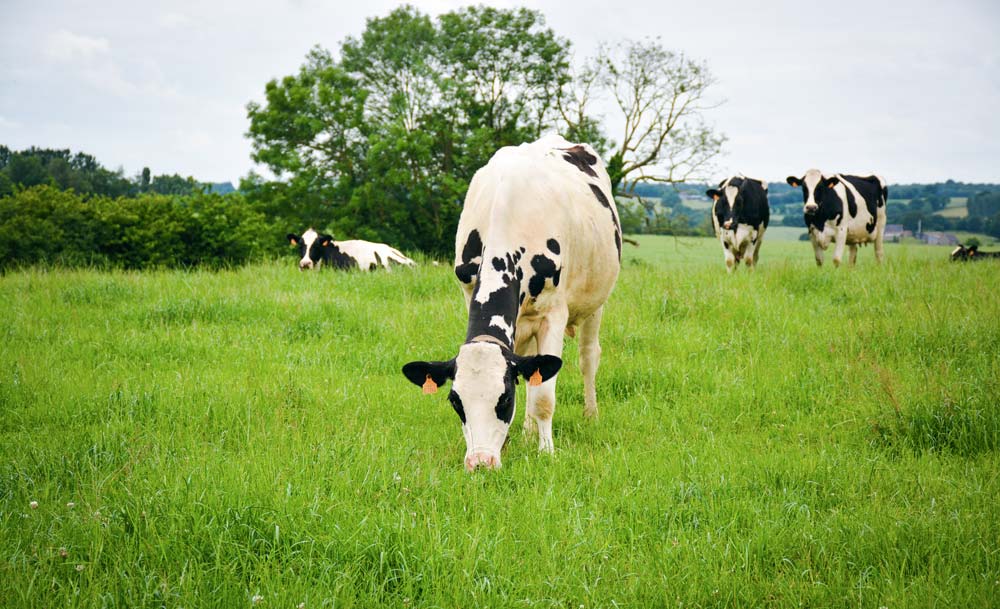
column 553, row 199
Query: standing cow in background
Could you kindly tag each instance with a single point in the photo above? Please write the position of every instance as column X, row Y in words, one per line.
column 845, row 209
column 740, row 215
column 315, row 250
column 537, row 253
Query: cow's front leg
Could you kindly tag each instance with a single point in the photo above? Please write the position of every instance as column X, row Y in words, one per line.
column 590, row 359
column 838, row 252
column 817, row 250
column 542, row 399
column 731, row 261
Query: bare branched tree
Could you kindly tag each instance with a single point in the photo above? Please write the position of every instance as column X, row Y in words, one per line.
column 661, row 96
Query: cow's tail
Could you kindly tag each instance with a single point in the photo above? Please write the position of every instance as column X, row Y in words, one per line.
column 885, row 190
column 396, row 256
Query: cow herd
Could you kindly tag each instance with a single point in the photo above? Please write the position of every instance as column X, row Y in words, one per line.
column 538, row 252
column 843, row 210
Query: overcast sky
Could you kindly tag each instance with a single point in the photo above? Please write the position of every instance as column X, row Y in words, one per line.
column 910, row 90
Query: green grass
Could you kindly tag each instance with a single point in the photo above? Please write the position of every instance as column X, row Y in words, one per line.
column 790, row 437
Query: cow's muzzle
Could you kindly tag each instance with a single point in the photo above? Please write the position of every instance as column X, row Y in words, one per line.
column 305, row 264
column 481, row 459
column 728, row 224
column 811, row 209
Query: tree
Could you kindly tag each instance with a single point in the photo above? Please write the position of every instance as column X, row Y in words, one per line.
column 383, row 143
column 661, row 98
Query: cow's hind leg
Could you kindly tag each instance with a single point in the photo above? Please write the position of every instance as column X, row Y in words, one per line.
column 541, row 402
column 854, row 254
column 590, row 359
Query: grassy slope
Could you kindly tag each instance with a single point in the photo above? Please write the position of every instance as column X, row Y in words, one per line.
column 796, row 436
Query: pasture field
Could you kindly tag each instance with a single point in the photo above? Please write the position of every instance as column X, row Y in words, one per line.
column 794, row 437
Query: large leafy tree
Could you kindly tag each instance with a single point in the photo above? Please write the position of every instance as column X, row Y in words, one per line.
column 382, row 143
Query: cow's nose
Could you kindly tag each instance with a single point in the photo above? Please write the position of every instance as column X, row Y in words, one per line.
column 811, row 209
column 305, row 264
column 486, row 460
column 727, row 224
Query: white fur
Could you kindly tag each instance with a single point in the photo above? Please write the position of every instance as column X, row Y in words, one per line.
column 364, row 252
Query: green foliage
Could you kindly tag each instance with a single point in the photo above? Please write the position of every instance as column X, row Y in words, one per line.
column 44, row 225
column 82, row 173
column 382, row 144
column 791, row 437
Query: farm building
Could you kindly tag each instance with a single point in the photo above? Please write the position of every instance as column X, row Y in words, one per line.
column 938, row 238
column 896, row 232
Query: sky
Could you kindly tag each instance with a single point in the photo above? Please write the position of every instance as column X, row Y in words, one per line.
column 908, row 90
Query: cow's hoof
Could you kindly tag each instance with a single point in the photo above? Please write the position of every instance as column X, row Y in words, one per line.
column 590, row 413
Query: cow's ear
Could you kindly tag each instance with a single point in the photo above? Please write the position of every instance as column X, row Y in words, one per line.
column 429, row 375
column 832, row 181
column 793, row 181
column 537, row 368
column 325, row 240
column 292, row 238
column 712, row 194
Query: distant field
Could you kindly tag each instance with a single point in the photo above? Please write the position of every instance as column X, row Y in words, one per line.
column 791, row 437
column 957, row 208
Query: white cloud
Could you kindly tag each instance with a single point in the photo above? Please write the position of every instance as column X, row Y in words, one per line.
column 65, row 46
column 174, row 20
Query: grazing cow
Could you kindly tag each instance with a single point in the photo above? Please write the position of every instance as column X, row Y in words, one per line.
column 316, row 249
column 537, row 253
column 833, row 213
column 972, row 253
column 740, row 215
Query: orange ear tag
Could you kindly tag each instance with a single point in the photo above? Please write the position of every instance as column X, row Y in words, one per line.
column 536, row 379
column 291, row 241
column 430, row 386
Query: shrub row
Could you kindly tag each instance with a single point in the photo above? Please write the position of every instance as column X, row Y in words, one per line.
column 44, row 225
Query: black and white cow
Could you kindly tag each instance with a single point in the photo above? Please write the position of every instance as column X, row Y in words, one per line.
column 972, row 253
column 843, row 209
column 537, row 254
column 740, row 215
column 316, row 250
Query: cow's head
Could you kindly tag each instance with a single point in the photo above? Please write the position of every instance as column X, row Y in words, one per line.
column 728, row 200
column 959, row 253
column 815, row 189
column 483, row 375
column 311, row 247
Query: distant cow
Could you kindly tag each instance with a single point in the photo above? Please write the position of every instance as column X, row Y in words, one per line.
column 316, row 250
column 740, row 215
column 844, row 209
column 537, row 253
column 972, row 253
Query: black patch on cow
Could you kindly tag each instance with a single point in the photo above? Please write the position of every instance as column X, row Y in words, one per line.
column 337, row 258
column 503, row 302
column 456, row 404
column 870, row 190
column 852, row 203
column 750, row 207
column 473, row 248
column 553, row 246
column 499, row 264
column 614, row 218
column 544, row 268
column 581, row 159
column 505, row 404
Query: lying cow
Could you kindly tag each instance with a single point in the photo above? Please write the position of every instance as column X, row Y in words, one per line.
column 972, row 253
column 537, row 253
column 740, row 215
column 844, row 209
column 316, row 249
